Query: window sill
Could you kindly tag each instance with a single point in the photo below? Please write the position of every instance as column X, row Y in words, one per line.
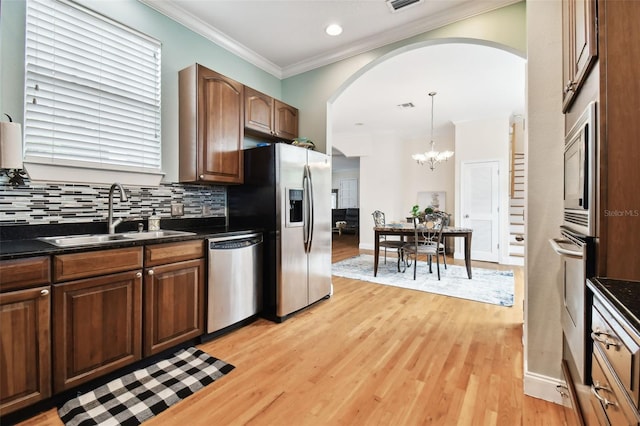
column 52, row 173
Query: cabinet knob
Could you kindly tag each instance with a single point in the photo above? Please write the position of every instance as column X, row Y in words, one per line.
column 201, row 176
column 44, row 292
column 150, row 272
column 138, row 274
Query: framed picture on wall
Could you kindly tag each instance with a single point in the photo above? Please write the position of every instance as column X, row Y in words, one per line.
column 437, row 200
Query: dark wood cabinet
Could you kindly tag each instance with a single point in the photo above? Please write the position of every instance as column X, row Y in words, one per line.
column 613, row 83
column 97, row 324
column 174, row 286
column 97, row 317
column 285, row 120
column 25, row 348
column 266, row 116
column 211, row 131
column 580, row 47
column 25, row 332
column 618, row 244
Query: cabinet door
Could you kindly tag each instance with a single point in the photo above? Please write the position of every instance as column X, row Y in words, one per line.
column 25, row 348
column 97, row 327
column 173, row 304
column 285, row 121
column 580, row 47
column 258, row 111
column 220, row 130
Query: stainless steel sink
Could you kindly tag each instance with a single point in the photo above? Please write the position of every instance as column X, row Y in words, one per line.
column 156, row 234
column 82, row 240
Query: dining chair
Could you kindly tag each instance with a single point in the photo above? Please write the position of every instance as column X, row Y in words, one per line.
column 442, row 247
column 379, row 221
column 426, row 241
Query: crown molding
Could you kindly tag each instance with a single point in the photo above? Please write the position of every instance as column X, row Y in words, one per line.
column 200, row 27
column 464, row 11
column 194, row 23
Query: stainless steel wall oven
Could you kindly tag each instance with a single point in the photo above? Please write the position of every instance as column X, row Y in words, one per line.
column 576, row 246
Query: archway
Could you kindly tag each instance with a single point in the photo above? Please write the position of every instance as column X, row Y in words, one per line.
column 385, row 150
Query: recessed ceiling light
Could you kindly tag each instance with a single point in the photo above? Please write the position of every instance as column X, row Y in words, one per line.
column 333, row 30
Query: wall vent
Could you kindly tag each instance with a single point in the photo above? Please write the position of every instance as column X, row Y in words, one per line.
column 396, row 5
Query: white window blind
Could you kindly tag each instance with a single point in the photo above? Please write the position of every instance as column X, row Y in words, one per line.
column 92, row 91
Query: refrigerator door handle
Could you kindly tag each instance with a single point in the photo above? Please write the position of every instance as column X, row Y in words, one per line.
column 305, row 209
column 311, row 208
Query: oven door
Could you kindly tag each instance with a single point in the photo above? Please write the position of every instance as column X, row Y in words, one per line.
column 575, row 250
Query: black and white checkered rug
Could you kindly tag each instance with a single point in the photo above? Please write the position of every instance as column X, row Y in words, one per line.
column 140, row 395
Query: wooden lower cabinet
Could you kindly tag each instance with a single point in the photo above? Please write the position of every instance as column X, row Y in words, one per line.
column 173, row 305
column 97, row 327
column 25, row 351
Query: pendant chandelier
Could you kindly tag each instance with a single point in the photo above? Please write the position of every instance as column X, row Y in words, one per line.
column 432, row 157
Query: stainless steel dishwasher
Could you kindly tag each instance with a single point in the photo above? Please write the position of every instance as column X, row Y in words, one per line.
column 235, row 280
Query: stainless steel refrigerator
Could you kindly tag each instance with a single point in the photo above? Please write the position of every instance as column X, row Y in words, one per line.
column 287, row 194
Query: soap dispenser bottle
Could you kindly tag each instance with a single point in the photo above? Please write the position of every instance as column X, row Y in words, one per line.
column 154, row 221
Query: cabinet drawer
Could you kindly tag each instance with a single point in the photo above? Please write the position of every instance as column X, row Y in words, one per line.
column 607, row 396
column 16, row 274
column 619, row 348
column 90, row 264
column 160, row 254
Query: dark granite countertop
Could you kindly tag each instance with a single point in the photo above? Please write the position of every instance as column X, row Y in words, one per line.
column 22, row 241
column 623, row 295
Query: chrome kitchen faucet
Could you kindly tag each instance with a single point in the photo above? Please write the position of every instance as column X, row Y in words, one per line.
column 123, row 197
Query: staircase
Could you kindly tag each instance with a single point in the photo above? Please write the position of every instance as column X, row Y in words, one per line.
column 516, row 209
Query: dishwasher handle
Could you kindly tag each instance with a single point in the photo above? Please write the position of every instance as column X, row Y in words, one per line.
column 231, row 243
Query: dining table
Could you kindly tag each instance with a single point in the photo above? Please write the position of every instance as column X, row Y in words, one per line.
column 402, row 230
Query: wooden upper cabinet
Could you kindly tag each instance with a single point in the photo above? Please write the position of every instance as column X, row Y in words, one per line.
column 258, row 111
column 580, row 47
column 266, row 116
column 286, row 120
column 618, row 127
column 211, row 130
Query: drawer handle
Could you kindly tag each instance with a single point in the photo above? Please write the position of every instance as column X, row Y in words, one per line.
column 595, row 387
column 563, row 391
column 608, row 341
column 44, row 292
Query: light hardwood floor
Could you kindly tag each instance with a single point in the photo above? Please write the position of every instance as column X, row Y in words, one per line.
column 370, row 355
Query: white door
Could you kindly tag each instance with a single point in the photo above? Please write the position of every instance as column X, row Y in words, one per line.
column 348, row 194
column 479, row 202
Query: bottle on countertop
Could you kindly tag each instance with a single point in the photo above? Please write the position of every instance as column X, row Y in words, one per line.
column 154, row 221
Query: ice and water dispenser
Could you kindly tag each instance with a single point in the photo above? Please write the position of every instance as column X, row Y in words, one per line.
column 294, row 216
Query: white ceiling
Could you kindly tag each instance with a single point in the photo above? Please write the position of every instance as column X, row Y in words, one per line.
column 472, row 82
column 286, row 37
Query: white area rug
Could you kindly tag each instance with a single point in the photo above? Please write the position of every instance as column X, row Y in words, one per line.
column 486, row 285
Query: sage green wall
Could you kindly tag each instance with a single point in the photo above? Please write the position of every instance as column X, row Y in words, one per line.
column 180, row 48
column 310, row 91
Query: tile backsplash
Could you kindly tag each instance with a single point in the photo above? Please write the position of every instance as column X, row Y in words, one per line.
column 50, row 203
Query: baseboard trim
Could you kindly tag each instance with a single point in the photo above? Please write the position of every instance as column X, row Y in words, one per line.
column 511, row 260
column 542, row 387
